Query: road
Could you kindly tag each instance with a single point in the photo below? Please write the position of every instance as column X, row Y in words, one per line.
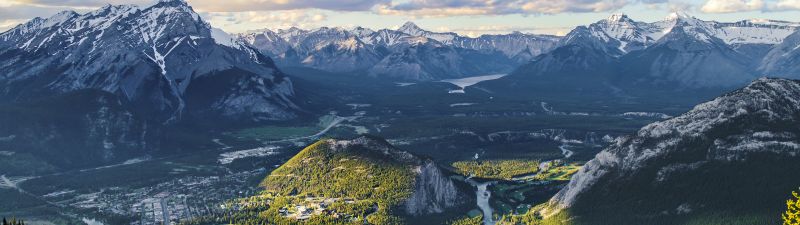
column 336, row 121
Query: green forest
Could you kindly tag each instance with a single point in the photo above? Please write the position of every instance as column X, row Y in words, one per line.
column 497, row 169
column 324, row 185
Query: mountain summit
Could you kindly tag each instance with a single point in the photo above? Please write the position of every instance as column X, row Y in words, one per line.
column 412, row 29
column 156, row 58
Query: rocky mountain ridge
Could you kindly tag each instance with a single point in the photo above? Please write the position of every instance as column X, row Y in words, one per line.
column 400, row 54
column 751, row 129
column 148, row 56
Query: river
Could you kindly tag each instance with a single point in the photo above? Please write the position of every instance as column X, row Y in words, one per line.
column 463, row 83
column 482, row 196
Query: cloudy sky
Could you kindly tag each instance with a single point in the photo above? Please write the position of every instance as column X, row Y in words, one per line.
column 469, row 17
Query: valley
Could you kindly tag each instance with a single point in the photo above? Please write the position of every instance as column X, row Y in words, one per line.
column 235, row 160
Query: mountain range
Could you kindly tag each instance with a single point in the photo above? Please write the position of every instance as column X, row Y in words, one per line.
column 680, row 50
column 164, row 64
column 616, row 56
column 408, row 53
column 680, row 59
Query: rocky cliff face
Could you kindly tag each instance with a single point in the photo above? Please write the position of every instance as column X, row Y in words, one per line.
column 433, row 192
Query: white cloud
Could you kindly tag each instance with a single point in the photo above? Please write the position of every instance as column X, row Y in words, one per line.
column 8, row 24
column 10, row 10
column 242, row 21
column 731, row 6
column 786, row 5
column 503, row 29
column 262, row 5
column 443, row 8
column 79, row 3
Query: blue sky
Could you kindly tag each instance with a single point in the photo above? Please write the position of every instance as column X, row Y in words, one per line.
column 469, row 17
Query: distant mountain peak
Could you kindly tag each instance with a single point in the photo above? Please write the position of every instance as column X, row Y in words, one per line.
column 173, row 1
column 411, row 28
column 409, row 24
column 618, row 17
column 61, row 17
column 679, row 15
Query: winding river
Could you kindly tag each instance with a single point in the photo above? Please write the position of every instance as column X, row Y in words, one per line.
column 483, row 195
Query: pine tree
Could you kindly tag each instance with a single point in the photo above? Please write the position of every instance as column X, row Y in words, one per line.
column 792, row 215
column 13, row 221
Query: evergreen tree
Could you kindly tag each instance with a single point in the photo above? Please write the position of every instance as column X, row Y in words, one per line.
column 13, row 221
column 792, row 215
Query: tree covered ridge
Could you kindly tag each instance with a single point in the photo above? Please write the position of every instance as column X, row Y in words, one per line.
column 320, row 171
column 360, row 181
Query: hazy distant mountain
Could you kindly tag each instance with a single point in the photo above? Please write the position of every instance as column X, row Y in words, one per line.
column 431, row 60
column 688, row 168
column 322, row 49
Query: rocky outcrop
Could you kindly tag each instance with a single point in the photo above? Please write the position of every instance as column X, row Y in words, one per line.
column 433, row 191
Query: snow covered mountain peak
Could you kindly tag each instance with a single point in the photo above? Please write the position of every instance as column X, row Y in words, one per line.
column 620, row 31
column 679, row 15
column 173, row 2
column 63, row 16
column 412, row 29
column 773, row 22
column 175, row 6
column 618, row 17
column 123, row 49
column 362, row 32
column 42, row 23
